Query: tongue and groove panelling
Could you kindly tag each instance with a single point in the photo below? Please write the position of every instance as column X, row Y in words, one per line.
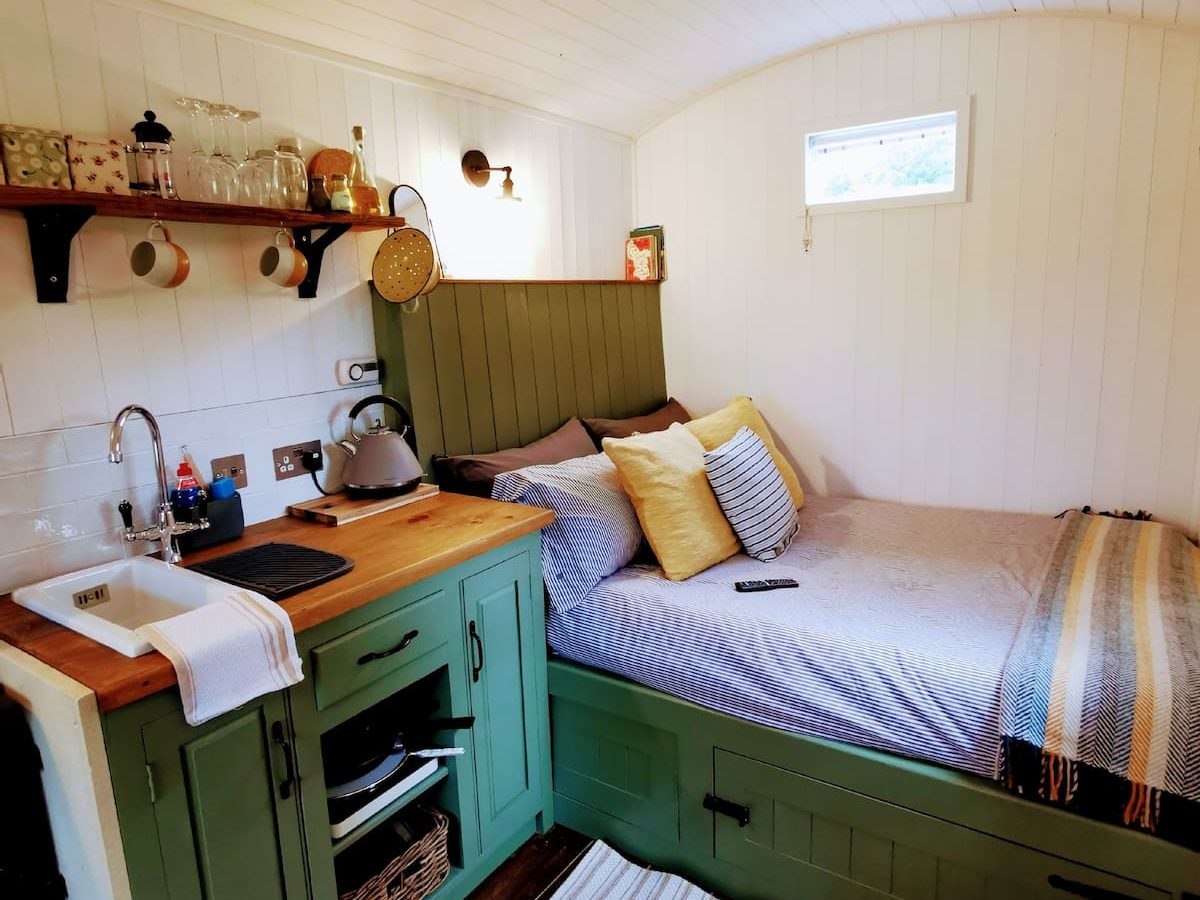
column 486, row 366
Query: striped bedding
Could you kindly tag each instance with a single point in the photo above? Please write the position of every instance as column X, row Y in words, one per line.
column 896, row 639
column 1100, row 707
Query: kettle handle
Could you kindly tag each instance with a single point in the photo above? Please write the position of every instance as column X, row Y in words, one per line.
column 405, row 419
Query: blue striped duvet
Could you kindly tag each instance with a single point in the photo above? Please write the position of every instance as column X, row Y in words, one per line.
column 896, row 639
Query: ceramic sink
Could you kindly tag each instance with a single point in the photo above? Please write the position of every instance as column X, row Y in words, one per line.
column 110, row 603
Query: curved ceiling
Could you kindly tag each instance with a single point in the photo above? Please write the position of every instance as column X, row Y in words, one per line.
column 620, row 65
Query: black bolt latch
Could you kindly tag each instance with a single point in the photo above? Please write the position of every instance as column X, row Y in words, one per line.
column 735, row 811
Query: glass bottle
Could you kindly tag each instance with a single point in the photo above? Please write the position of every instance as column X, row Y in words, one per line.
column 318, row 194
column 362, row 182
column 340, row 197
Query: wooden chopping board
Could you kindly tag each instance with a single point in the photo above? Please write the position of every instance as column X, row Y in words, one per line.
column 341, row 509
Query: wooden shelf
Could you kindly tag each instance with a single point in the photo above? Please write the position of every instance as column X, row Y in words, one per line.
column 55, row 217
column 22, row 198
column 391, row 809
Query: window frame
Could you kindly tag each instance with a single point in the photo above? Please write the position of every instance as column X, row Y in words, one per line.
column 961, row 106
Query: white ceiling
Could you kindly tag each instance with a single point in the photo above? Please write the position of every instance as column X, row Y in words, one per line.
column 620, row 65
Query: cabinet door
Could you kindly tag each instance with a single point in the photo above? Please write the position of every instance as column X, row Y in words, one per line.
column 225, row 805
column 500, row 652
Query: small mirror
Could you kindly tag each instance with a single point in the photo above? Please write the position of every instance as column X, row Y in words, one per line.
column 405, row 201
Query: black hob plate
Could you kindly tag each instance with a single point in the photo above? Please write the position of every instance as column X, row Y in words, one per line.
column 276, row 570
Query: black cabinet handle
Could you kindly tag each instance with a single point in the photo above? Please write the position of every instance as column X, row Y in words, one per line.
column 476, row 644
column 285, row 786
column 383, row 654
column 1079, row 889
column 735, row 811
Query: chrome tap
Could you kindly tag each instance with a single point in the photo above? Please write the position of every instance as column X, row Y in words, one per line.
column 166, row 528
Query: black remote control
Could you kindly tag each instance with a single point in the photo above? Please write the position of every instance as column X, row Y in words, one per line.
column 771, row 584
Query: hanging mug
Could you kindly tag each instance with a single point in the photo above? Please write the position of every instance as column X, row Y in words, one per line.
column 158, row 260
column 282, row 262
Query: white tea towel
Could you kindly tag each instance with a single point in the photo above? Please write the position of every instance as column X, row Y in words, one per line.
column 227, row 653
column 603, row 874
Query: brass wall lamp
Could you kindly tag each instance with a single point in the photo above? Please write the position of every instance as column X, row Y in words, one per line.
column 477, row 171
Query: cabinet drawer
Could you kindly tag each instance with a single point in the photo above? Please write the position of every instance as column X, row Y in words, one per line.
column 841, row 844
column 382, row 648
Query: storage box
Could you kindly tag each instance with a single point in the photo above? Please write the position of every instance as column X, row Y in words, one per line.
column 97, row 166
column 35, row 157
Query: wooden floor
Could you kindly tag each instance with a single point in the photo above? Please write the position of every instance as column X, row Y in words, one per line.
column 537, row 869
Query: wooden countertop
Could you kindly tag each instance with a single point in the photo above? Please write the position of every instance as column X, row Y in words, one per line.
column 390, row 550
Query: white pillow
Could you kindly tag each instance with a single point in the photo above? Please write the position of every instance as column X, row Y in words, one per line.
column 753, row 495
column 595, row 529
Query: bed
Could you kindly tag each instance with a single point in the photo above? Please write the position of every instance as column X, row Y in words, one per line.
column 886, row 794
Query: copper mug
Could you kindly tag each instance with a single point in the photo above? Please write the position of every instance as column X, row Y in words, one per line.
column 158, row 260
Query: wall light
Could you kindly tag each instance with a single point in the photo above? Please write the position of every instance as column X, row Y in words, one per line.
column 476, row 170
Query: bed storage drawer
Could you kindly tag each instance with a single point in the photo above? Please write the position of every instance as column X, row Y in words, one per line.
column 844, row 844
column 381, row 648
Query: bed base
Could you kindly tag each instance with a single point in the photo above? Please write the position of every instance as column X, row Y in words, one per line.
column 669, row 783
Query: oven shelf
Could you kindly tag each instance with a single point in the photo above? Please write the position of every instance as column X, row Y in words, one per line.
column 391, row 809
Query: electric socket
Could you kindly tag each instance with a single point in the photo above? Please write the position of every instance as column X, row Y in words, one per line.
column 231, row 467
column 287, row 459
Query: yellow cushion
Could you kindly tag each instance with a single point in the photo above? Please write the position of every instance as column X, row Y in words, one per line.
column 663, row 473
column 715, row 429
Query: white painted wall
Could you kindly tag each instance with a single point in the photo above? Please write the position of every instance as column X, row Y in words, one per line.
column 232, row 363
column 1032, row 349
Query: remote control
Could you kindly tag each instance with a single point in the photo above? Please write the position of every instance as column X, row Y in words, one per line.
column 770, row 584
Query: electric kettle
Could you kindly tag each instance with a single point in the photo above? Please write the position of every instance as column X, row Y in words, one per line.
column 380, row 462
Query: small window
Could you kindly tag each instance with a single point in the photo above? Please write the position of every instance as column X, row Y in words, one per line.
column 915, row 159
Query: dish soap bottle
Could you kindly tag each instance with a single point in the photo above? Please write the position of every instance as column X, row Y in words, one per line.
column 186, row 494
column 362, row 182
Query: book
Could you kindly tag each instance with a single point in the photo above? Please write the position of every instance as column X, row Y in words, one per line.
column 641, row 258
column 656, row 231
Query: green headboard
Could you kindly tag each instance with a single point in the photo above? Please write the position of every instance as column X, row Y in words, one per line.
column 485, row 366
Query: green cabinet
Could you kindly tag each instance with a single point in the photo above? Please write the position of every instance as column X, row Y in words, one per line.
column 236, row 808
column 218, row 802
column 501, row 646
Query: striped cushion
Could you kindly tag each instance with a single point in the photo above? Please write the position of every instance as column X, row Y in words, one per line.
column 595, row 529
column 752, row 494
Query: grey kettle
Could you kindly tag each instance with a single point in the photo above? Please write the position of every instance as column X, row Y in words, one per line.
column 380, row 462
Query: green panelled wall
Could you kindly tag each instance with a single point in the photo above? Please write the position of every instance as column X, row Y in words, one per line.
column 485, row 366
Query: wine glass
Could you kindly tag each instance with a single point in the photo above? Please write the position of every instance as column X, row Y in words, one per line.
column 253, row 179
column 199, row 174
column 225, row 169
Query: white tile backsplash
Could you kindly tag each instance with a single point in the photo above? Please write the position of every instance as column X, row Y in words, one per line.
column 58, row 507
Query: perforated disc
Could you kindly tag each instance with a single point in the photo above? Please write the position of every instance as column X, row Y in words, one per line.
column 403, row 265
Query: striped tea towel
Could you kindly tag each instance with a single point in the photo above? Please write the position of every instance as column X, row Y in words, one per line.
column 1100, row 703
column 227, row 653
column 603, row 874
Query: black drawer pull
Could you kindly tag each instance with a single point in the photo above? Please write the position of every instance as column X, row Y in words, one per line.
column 476, row 644
column 285, row 786
column 1079, row 889
column 735, row 811
column 383, row 654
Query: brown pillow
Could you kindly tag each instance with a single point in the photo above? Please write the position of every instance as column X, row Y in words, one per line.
column 660, row 420
column 474, row 473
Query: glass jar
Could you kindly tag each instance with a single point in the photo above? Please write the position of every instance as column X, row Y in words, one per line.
column 293, row 174
column 340, row 199
column 318, row 194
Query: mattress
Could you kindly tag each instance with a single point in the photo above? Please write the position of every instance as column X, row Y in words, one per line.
column 895, row 640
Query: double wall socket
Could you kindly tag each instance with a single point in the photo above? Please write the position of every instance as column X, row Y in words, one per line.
column 231, row 467
column 287, row 459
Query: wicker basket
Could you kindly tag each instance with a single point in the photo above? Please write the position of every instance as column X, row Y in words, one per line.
column 416, row 872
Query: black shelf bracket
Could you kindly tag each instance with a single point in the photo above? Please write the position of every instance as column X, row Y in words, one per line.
column 51, row 229
column 314, row 252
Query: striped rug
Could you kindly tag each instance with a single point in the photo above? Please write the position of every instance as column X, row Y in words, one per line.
column 1100, row 705
column 603, row 874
